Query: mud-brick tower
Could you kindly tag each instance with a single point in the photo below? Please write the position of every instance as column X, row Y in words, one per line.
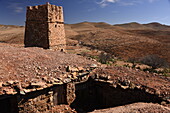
column 45, row 27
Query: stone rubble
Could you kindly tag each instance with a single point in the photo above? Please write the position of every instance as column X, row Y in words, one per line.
column 38, row 69
column 130, row 79
column 74, row 75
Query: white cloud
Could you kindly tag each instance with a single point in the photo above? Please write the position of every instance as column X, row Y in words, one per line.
column 127, row 3
column 16, row 7
column 104, row 3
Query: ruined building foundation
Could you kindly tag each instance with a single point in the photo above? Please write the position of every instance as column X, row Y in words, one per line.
column 45, row 27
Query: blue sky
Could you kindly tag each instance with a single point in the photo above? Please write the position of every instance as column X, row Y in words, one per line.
column 12, row 12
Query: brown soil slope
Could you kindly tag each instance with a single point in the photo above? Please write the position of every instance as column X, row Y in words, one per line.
column 121, row 41
column 126, row 40
column 11, row 34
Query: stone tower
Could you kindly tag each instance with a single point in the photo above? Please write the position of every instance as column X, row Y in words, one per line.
column 45, row 27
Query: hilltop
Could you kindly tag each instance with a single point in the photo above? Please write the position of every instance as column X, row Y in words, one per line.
column 149, row 26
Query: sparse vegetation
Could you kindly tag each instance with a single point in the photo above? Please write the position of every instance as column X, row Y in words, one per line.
column 105, row 58
column 154, row 61
column 165, row 72
column 133, row 60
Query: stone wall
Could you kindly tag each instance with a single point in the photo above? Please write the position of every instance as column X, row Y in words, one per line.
column 39, row 101
column 37, row 13
column 70, row 93
column 45, row 27
column 36, row 35
column 109, row 96
column 55, row 13
column 59, row 95
column 44, row 100
column 40, row 104
column 56, row 36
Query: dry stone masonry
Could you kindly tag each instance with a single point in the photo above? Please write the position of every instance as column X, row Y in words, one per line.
column 45, row 27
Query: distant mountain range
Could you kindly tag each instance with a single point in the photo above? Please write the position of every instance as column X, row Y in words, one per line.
column 129, row 26
column 150, row 26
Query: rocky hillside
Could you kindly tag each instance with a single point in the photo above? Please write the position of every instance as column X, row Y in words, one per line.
column 149, row 26
column 12, row 34
column 126, row 40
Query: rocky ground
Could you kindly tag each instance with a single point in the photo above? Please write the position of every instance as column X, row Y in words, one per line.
column 37, row 67
column 62, row 109
column 128, row 78
column 136, row 108
column 154, row 82
column 126, row 40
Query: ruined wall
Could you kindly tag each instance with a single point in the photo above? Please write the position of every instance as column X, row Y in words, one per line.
column 86, row 97
column 40, row 104
column 93, row 95
column 70, row 93
column 59, row 95
column 112, row 97
column 45, row 27
column 43, row 101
